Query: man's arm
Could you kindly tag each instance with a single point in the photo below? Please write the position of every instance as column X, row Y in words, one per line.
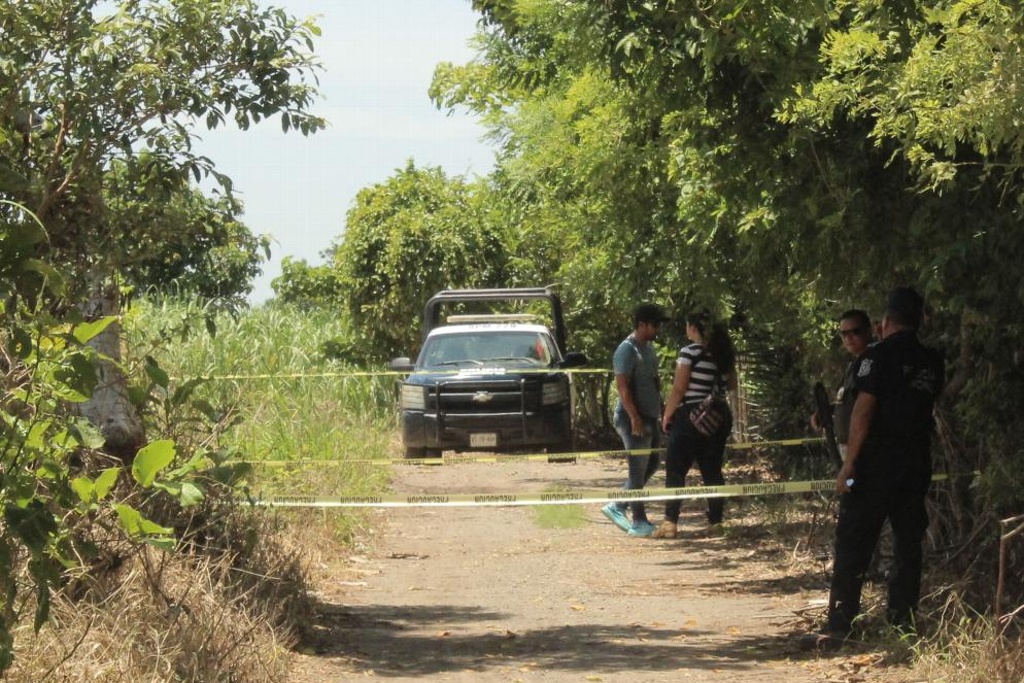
column 860, row 422
column 622, row 383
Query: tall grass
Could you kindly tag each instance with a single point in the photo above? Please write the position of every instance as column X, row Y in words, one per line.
column 265, row 369
column 231, row 602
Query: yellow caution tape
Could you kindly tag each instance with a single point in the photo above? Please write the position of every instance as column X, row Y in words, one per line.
column 398, row 373
column 301, row 375
column 581, row 497
column 458, row 458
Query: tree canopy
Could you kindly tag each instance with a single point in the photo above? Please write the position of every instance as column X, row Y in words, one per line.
column 99, row 105
column 778, row 160
column 417, row 232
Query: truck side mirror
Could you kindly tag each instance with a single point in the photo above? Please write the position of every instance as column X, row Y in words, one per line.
column 574, row 359
column 401, row 364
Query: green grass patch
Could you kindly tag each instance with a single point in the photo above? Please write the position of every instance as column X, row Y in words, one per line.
column 559, row 516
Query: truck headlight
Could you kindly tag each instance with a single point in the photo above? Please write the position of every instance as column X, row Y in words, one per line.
column 413, row 397
column 554, row 393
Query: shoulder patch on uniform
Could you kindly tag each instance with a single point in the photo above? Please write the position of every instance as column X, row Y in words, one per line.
column 865, row 368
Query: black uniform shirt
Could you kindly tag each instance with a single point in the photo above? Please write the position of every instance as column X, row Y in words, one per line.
column 846, row 396
column 906, row 378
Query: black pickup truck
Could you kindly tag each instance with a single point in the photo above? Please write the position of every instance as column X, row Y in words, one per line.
column 488, row 382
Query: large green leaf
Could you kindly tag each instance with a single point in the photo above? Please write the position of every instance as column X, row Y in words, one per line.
column 190, row 495
column 83, row 332
column 87, row 433
column 79, row 377
column 139, row 527
column 92, row 491
column 151, row 460
column 105, row 482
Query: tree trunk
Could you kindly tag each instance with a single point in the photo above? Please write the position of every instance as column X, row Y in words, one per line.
column 109, row 408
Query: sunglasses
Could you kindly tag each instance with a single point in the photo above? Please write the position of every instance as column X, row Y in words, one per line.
column 851, row 332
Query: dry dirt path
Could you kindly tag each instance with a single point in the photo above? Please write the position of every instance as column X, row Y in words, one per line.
column 487, row 594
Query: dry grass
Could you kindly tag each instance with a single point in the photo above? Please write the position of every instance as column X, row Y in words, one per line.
column 962, row 646
column 233, row 599
column 210, row 617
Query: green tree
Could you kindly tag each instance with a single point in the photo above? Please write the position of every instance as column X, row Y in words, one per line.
column 416, row 233
column 306, row 286
column 582, row 172
column 194, row 244
column 87, row 86
column 799, row 158
column 99, row 102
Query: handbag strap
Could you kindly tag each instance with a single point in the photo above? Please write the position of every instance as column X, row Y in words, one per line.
column 717, row 385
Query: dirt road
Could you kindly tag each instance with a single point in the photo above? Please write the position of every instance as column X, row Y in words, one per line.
column 488, row 594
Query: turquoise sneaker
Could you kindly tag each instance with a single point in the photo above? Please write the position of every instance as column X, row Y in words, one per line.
column 642, row 529
column 617, row 516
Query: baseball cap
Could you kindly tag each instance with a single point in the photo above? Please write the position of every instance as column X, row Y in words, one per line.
column 649, row 313
column 908, row 304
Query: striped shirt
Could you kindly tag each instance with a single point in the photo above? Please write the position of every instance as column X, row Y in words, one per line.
column 702, row 375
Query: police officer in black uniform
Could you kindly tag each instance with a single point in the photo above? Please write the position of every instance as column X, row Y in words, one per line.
column 855, row 334
column 887, row 469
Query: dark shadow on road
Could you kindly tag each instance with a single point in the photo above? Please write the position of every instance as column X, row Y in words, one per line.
column 412, row 641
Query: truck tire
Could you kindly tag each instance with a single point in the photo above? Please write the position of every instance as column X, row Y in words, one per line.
column 563, row 452
column 412, row 453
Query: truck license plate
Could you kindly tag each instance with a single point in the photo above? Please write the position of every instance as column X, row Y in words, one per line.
column 484, row 440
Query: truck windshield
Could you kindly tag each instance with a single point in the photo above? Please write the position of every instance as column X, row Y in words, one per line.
column 474, row 348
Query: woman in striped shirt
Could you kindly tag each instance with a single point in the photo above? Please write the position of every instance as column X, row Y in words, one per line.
column 707, row 364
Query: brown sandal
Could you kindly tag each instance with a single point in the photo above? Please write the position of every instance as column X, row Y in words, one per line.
column 666, row 530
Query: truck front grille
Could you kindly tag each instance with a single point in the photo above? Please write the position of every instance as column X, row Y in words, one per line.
column 491, row 397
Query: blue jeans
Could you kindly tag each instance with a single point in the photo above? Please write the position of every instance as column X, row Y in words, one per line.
column 641, row 467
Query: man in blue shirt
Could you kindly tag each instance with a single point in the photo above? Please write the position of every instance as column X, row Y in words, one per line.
column 638, row 413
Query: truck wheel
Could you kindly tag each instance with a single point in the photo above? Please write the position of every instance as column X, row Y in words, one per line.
column 564, row 452
column 415, row 453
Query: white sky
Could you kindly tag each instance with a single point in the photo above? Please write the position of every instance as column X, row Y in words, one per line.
column 379, row 57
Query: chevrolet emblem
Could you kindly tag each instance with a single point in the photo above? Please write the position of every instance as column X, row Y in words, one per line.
column 482, row 397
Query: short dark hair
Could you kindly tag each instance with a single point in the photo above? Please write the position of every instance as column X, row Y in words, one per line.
column 860, row 315
column 649, row 313
column 905, row 307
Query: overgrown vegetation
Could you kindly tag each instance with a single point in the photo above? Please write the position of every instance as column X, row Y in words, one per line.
column 776, row 161
column 232, row 596
column 228, row 612
column 779, row 162
column 274, row 378
column 101, row 457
